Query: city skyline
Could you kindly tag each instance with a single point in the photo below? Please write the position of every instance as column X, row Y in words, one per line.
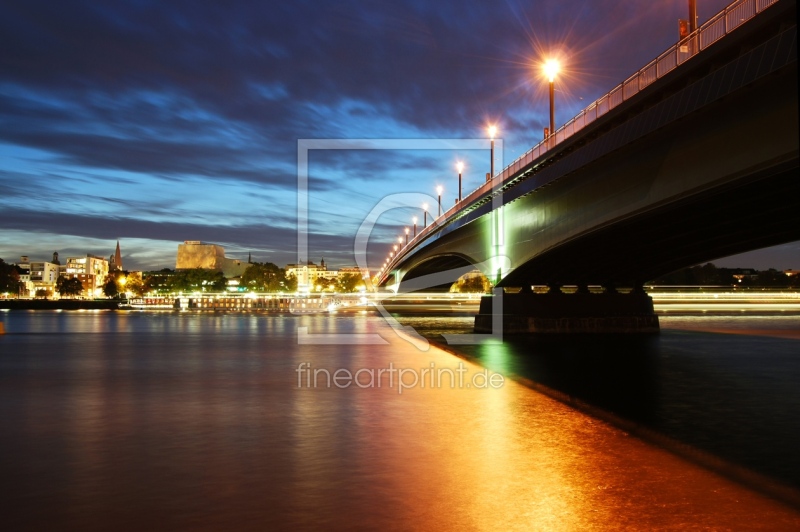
column 159, row 124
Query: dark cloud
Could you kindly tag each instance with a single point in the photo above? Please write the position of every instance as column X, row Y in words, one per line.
column 138, row 93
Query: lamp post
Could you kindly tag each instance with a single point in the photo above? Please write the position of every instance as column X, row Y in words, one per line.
column 424, row 215
column 551, row 69
column 406, row 236
column 460, row 168
column 492, row 132
column 439, row 191
column 414, row 219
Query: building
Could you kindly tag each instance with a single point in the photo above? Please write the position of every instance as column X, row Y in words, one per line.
column 115, row 260
column 41, row 275
column 91, row 270
column 195, row 254
column 308, row 275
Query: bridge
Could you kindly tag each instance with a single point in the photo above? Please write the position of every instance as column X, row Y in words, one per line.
column 692, row 158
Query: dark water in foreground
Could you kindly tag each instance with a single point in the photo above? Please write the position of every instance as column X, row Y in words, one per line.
column 132, row 421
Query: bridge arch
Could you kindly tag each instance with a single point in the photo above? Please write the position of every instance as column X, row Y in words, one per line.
column 437, row 273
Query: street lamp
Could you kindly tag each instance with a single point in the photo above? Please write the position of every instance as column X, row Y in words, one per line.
column 492, row 133
column 439, row 191
column 551, row 68
column 424, row 215
column 406, row 236
column 460, row 168
column 414, row 219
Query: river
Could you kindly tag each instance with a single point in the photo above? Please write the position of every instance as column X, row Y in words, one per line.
column 163, row 421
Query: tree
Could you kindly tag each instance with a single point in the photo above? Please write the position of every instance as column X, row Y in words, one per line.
column 289, row 283
column 133, row 284
column 41, row 292
column 263, row 277
column 197, row 280
column 472, row 282
column 9, row 278
column 349, row 282
column 110, row 288
column 69, row 286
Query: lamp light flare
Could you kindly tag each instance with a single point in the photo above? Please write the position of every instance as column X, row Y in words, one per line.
column 425, row 207
column 414, row 219
column 460, row 167
column 551, row 68
column 492, row 132
column 439, row 190
column 407, row 230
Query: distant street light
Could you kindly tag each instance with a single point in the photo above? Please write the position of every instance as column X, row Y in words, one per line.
column 424, row 215
column 406, row 236
column 492, row 133
column 460, row 168
column 551, row 68
column 414, row 219
column 439, row 190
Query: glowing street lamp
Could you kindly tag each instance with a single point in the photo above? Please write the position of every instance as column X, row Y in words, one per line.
column 414, row 219
column 439, row 190
column 492, row 133
column 424, row 215
column 406, row 236
column 551, row 68
column 460, row 168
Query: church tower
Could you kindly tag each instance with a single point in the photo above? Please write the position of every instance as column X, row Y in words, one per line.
column 116, row 260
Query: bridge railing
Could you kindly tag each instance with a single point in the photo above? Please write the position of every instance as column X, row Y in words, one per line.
column 718, row 26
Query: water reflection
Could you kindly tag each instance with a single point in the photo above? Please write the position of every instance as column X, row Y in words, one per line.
column 187, row 421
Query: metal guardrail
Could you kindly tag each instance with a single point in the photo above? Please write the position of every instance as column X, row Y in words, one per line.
column 718, row 26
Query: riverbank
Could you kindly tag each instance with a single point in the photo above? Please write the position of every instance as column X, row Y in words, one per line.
column 59, row 304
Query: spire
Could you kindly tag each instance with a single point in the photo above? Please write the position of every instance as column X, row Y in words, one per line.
column 117, row 258
column 249, row 258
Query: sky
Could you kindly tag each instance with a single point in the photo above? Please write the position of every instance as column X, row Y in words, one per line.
column 153, row 122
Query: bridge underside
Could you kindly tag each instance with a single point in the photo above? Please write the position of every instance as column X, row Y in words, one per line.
column 761, row 212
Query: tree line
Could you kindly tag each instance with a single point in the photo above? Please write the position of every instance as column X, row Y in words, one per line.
column 709, row 274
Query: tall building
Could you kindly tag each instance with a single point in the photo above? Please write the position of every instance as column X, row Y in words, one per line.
column 196, row 254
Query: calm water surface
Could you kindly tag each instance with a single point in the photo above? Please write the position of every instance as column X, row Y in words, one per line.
column 134, row 421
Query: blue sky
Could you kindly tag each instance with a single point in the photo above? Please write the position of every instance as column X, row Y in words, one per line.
column 158, row 122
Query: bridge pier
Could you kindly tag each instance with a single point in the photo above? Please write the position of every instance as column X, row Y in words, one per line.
column 557, row 313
